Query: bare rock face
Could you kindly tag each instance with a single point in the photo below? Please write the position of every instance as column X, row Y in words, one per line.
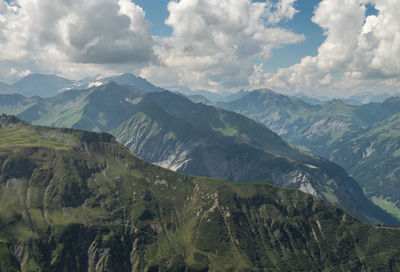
column 9, row 120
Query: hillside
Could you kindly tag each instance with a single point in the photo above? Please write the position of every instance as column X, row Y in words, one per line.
column 196, row 139
column 363, row 139
column 96, row 108
column 312, row 127
column 372, row 157
column 172, row 132
column 78, row 201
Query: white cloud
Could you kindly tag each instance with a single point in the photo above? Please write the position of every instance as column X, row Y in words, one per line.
column 215, row 42
column 360, row 52
column 65, row 36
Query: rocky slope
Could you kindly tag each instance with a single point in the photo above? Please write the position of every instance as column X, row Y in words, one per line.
column 79, row 201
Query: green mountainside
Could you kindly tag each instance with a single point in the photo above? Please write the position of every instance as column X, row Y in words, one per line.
column 313, row 127
column 200, row 140
column 172, row 132
column 373, row 157
column 79, row 201
column 363, row 139
column 97, row 108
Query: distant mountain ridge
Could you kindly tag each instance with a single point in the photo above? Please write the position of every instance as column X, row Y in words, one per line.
column 41, row 85
column 125, row 79
column 47, row 85
column 213, row 97
column 6, row 89
column 312, row 127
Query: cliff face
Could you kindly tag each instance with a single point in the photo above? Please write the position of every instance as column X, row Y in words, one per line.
column 78, row 201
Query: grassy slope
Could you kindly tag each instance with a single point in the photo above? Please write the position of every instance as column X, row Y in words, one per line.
column 87, row 203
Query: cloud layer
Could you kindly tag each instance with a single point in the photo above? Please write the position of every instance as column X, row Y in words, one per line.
column 360, row 52
column 215, row 42
column 54, row 34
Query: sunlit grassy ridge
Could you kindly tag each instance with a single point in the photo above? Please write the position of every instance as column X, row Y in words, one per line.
column 23, row 137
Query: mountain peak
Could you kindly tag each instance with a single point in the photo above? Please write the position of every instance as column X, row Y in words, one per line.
column 264, row 91
column 108, row 84
column 392, row 100
column 42, row 76
column 43, row 85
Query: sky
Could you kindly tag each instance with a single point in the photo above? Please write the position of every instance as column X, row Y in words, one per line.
column 333, row 48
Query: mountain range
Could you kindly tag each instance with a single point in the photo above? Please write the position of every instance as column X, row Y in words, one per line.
column 78, row 201
column 361, row 138
column 312, row 127
column 169, row 130
column 48, row 85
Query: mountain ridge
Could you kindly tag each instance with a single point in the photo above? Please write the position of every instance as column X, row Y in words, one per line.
column 90, row 205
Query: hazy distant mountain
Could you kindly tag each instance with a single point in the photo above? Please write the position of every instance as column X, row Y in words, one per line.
column 173, row 132
column 78, row 201
column 213, row 97
column 199, row 99
column 313, row 127
column 310, row 100
column 41, row 85
column 366, row 98
column 123, row 80
column 234, row 96
column 50, row 85
column 6, row 89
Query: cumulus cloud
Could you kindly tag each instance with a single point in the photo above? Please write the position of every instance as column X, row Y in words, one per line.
column 52, row 34
column 360, row 52
column 215, row 42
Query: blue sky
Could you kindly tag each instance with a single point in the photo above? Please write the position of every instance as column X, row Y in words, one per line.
column 157, row 13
